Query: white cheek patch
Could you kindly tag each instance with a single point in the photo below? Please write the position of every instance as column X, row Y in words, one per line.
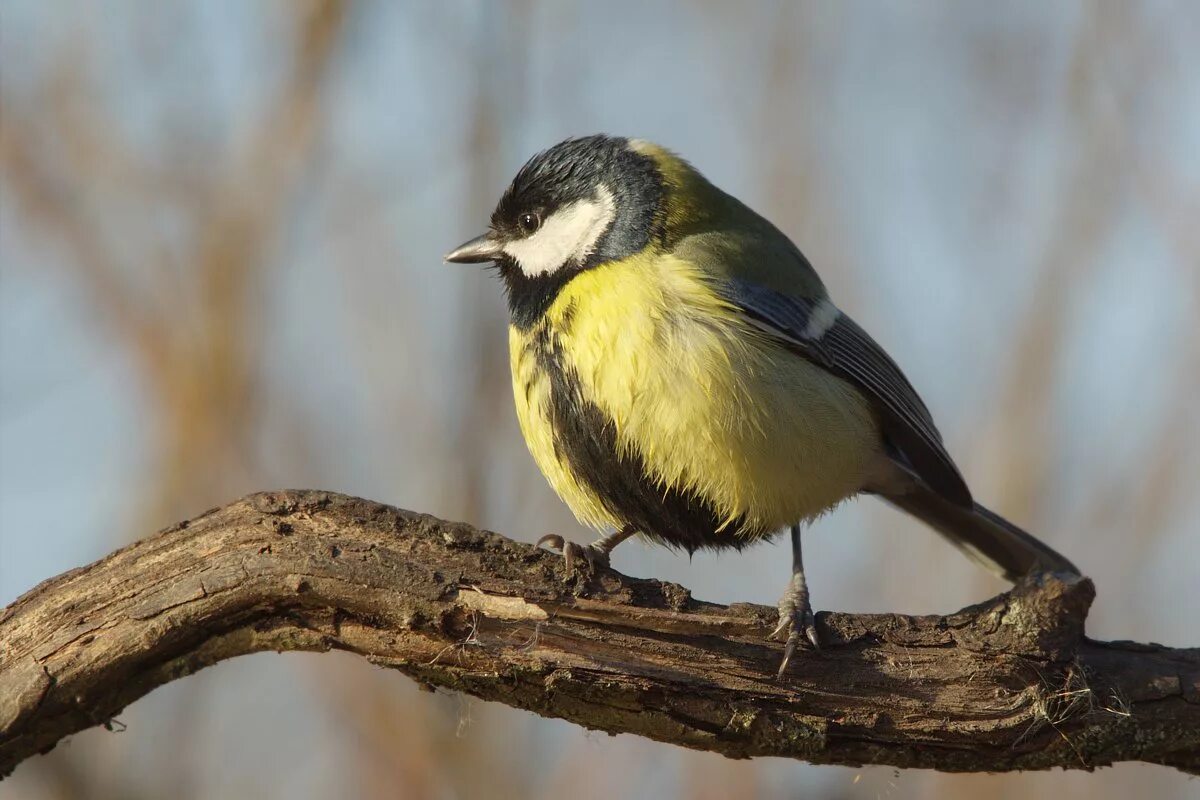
column 567, row 236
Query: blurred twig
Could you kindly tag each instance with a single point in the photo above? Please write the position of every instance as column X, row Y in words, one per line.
column 188, row 307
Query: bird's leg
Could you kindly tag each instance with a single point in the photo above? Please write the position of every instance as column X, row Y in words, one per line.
column 594, row 555
column 795, row 611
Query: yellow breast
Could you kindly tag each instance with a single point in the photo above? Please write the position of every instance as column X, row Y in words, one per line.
column 710, row 405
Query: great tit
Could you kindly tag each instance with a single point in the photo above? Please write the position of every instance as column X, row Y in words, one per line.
column 681, row 373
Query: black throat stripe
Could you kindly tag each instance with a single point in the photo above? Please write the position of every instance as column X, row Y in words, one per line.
column 530, row 297
column 586, row 440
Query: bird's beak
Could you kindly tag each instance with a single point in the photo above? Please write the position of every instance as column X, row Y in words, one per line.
column 477, row 251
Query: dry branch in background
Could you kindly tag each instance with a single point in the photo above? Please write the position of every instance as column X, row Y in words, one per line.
column 1008, row 684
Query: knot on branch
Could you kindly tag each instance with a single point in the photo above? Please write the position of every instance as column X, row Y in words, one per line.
column 1042, row 618
column 1047, row 614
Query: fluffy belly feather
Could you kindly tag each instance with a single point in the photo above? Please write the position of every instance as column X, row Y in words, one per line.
column 648, row 402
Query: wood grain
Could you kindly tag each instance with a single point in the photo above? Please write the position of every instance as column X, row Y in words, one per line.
column 1009, row 684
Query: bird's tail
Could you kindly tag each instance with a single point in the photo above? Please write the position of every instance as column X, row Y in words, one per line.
column 986, row 537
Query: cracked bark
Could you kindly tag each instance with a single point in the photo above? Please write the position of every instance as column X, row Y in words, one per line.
column 1009, row 684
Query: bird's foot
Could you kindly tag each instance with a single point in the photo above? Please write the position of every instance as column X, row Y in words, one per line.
column 796, row 620
column 589, row 559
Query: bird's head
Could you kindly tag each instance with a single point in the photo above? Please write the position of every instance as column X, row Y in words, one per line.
column 580, row 204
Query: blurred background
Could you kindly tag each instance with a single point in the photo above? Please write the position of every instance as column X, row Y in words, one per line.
column 221, row 228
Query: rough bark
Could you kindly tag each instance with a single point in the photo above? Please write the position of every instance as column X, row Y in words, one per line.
column 1008, row 684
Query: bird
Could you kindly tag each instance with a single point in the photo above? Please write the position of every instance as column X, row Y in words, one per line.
column 681, row 373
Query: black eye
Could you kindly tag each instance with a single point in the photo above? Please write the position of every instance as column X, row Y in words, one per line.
column 530, row 222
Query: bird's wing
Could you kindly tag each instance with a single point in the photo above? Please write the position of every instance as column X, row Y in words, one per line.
column 818, row 331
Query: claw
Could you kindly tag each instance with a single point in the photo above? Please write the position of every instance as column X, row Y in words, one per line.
column 810, row 629
column 593, row 557
column 553, row 539
column 576, row 557
column 788, row 650
column 797, row 621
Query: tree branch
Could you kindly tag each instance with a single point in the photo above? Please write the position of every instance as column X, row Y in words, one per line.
column 1005, row 685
